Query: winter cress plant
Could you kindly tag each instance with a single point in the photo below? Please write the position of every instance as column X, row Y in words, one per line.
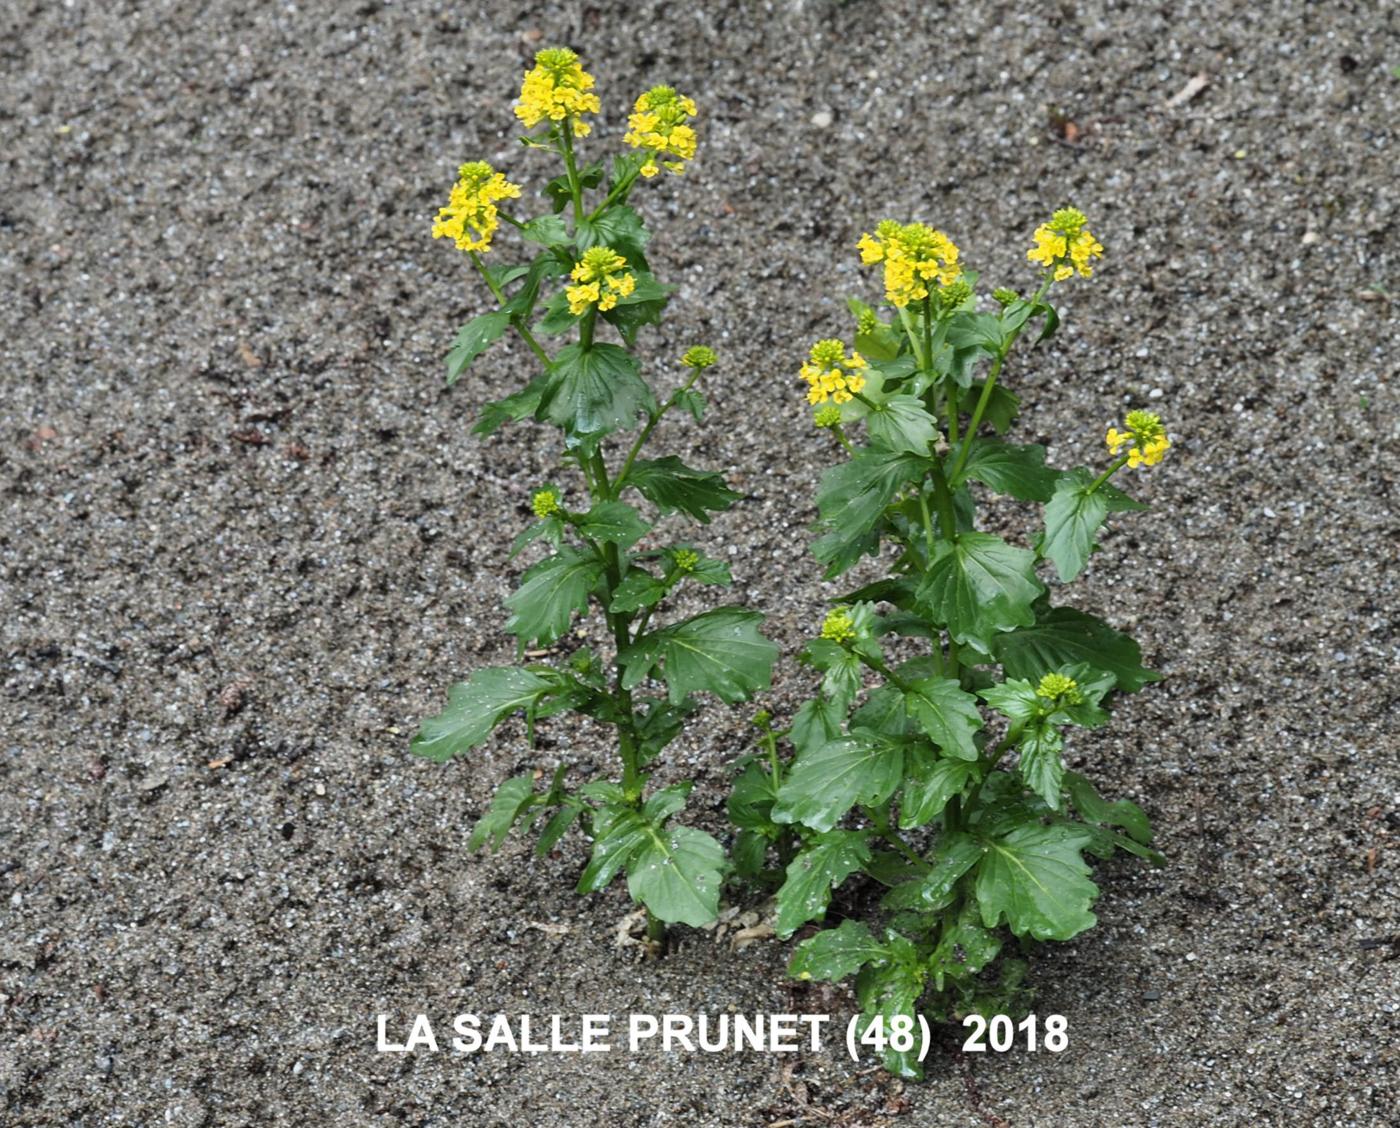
column 579, row 304
column 931, row 758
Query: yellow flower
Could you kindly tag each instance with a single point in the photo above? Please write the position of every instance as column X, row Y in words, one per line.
column 839, row 626
column 601, row 277
column 1145, row 438
column 557, row 89
column 831, row 373
column 660, row 123
column 1065, row 245
column 1059, row 688
column 915, row 257
column 470, row 218
column 699, row 356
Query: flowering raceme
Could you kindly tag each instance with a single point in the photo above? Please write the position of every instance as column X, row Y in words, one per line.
column 557, row 88
column 660, row 123
column 914, row 255
column 832, row 373
column 601, row 278
column 1065, row 245
column 1058, row 688
column 470, row 218
column 1145, row 438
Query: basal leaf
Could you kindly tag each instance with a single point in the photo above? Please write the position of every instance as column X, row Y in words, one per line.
column 678, row 874
column 836, row 953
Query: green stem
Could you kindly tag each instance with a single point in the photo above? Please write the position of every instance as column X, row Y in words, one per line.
column 948, row 524
column 651, row 423
column 656, row 928
column 1107, row 474
column 617, row 190
column 520, row 327
column 986, row 397
column 884, row 671
column 908, row 323
column 575, row 189
column 892, row 836
column 928, row 524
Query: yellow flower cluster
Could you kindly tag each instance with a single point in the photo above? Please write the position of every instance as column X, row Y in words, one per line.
column 660, row 123
column 1065, row 245
column 1145, row 438
column 686, row 559
column 839, row 626
column 914, row 255
column 833, row 373
column 470, row 217
column 601, row 277
column 545, row 503
column 557, row 88
column 699, row 356
column 1059, row 688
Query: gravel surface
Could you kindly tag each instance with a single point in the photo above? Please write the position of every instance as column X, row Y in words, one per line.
column 246, row 542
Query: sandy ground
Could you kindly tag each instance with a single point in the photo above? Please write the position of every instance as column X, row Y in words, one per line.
column 247, row 541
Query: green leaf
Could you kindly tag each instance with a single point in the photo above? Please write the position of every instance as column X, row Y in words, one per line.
column 666, row 802
column 836, row 953
column 750, row 803
column 658, row 723
column 475, row 707
column 551, row 529
column 1042, row 766
column 619, row 834
column 1072, row 520
column 615, row 522
column 1092, row 807
column 980, row 586
column 892, row 988
column 1062, row 636
column 512, row 408
column 643, row 306
column 929, row 782
column 980, row 330
column 827, row 781
column 947, row 713
column 816, row 722
column 638, row 589
column 956, row 854
column 1036, row 880
column 719, row 652
column 561, row 193
column 964, row 949
column 594, row 390
column 843, row 671
column 549, row 594
column 472, row 340
column 1016, row 700
column 1001, row 410
column 620, row 228
column 1019, row 471
column 678, row 874
column 688, row 399
column 883, row 712
column 559, row 822
column 705, row 569
column 853, row 496
column 547, row 230
column 823, row 864
column 512, row 799
column 902, row 423
column 671, row 485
